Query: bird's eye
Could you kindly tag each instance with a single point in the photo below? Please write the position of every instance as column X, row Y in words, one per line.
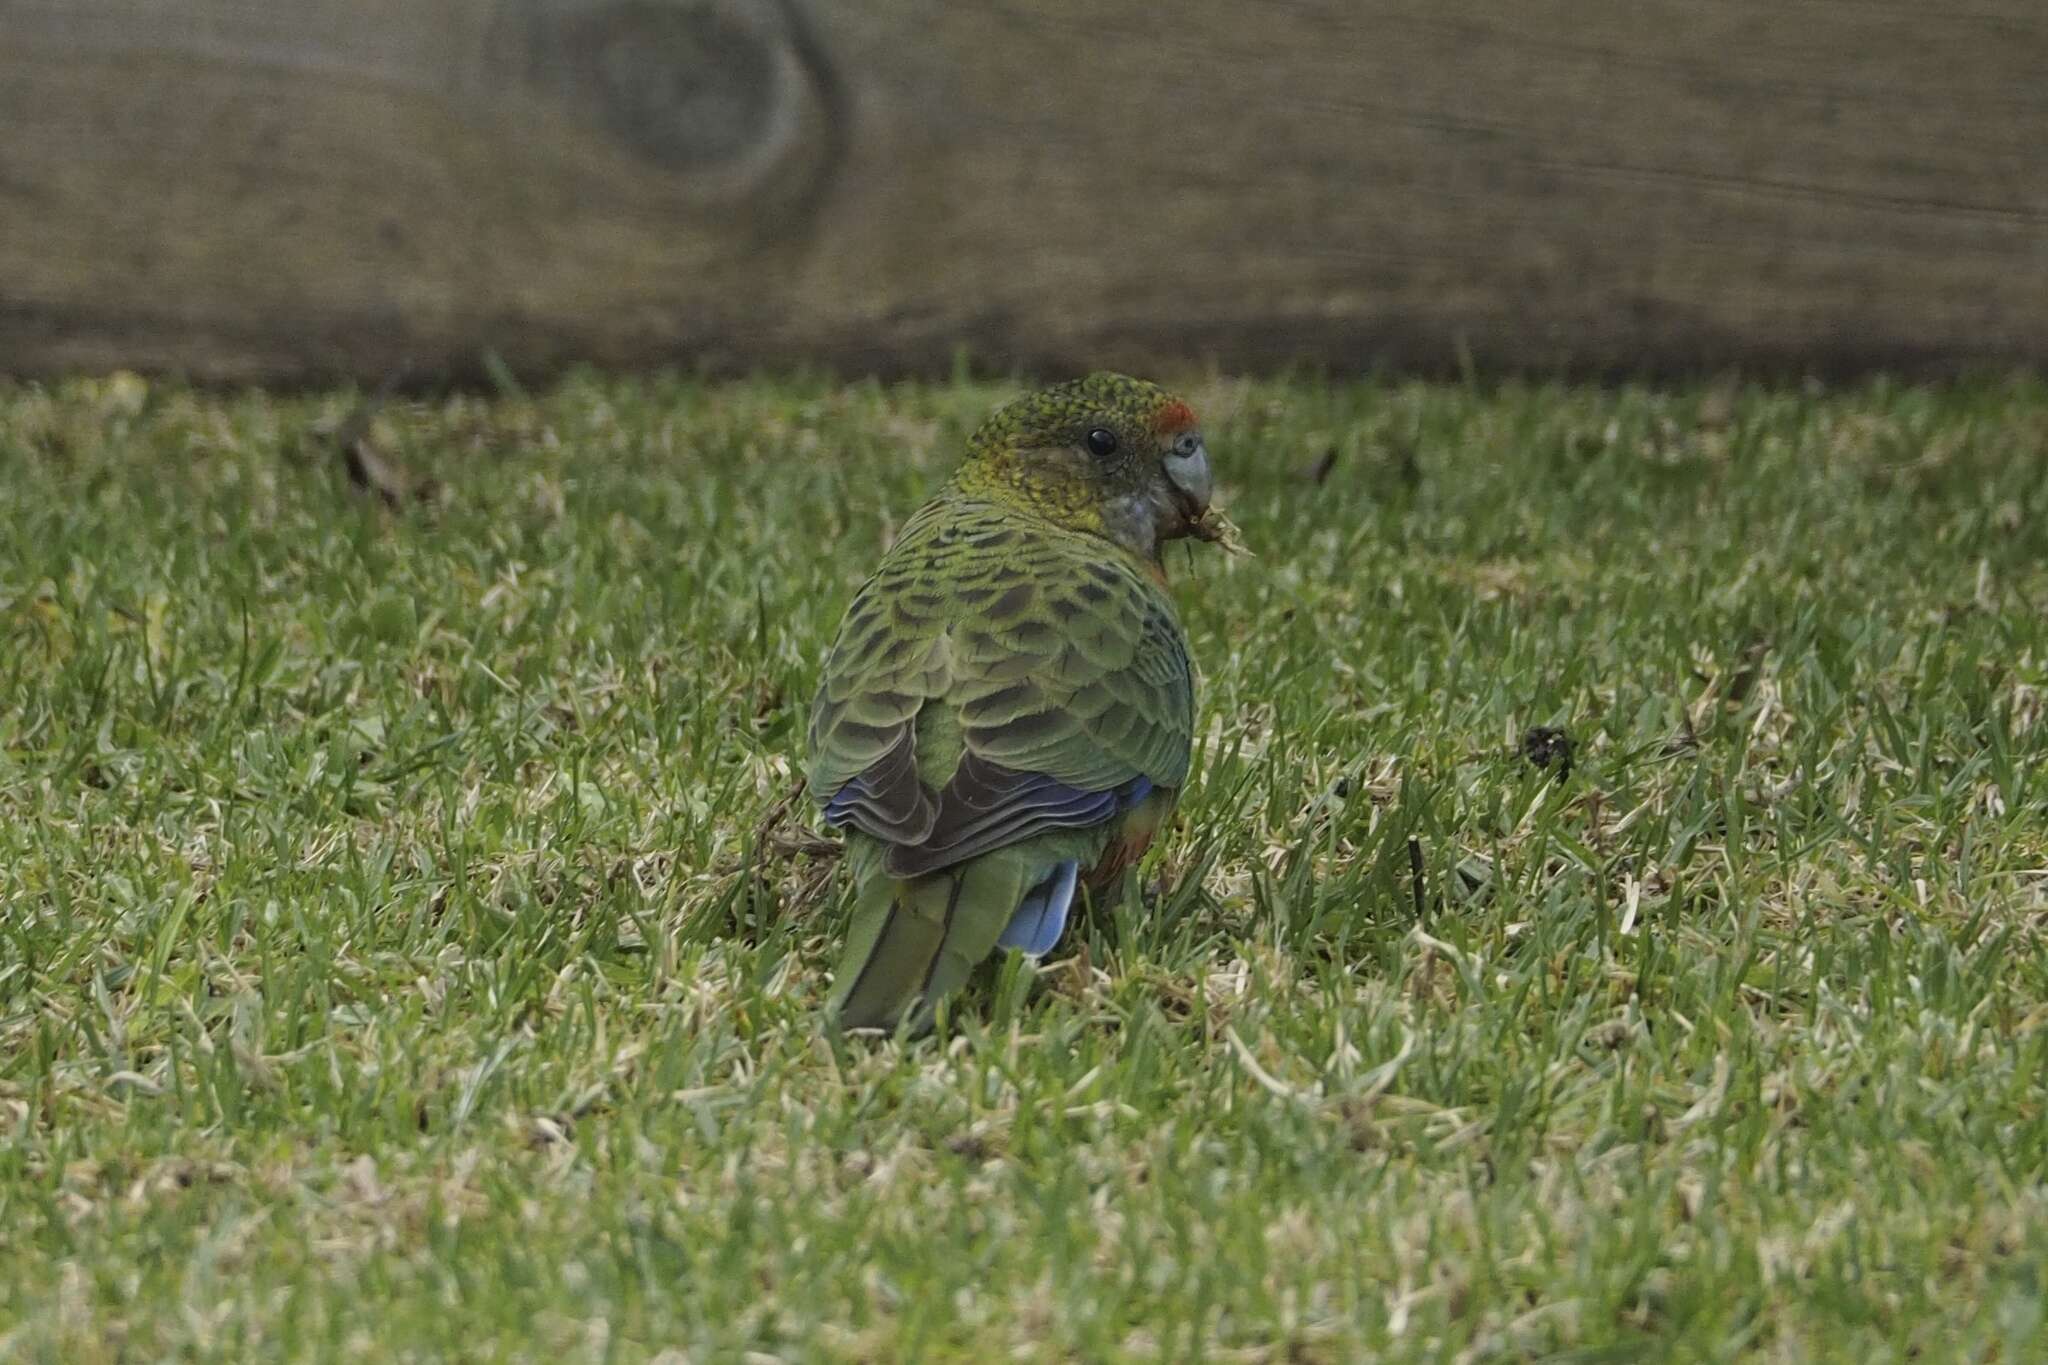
column 1187, row 443
column 1102, row 441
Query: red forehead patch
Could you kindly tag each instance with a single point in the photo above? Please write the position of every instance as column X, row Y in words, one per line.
column 1174, row 416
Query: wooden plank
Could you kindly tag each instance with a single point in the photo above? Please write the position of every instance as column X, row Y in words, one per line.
column 304, row 189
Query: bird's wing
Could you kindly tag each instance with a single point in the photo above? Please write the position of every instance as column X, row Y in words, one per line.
column 1061, row 663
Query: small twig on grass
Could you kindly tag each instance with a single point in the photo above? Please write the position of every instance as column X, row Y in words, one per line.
column 802, row 839
column 1686, row 741
column 1415, row 878
column 770, row 837
column 368, row 469
column 1749, row 666
column 372, row 473
column 791, row 842
column 356, row 425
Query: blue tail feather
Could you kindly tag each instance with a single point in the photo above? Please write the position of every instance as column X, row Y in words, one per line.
column 1041, row 916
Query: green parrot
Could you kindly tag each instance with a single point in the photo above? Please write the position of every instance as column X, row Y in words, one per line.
column 1007, row 710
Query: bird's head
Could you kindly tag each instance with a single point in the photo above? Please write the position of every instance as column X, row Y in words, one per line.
column 1108, row 455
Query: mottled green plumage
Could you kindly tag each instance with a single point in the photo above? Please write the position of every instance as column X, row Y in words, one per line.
column 1011, row 690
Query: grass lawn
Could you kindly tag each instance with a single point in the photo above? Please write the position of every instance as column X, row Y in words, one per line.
column 410, row 951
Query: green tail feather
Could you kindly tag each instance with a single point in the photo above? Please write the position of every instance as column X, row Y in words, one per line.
column 914, row 941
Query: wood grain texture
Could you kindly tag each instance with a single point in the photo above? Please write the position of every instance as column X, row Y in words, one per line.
column 306, row 189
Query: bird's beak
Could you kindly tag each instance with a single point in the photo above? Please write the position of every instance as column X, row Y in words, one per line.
column 1189, row 475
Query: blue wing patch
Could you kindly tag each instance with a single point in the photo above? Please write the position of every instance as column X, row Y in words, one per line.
column 839, row 809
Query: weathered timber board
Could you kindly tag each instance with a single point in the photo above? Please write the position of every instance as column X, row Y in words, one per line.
column 292, row 190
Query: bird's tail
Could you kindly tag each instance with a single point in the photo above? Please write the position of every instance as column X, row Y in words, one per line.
column 913, row 940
